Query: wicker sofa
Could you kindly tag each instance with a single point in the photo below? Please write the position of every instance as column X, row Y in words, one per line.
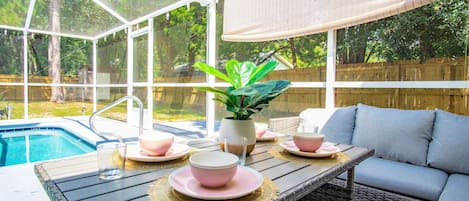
column 419, row 154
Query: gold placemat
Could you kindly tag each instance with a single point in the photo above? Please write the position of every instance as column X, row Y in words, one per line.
column 150, row 166
column 279, row 152
column 160, row 190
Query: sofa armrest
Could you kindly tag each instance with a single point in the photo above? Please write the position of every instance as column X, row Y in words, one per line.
column 284, row 125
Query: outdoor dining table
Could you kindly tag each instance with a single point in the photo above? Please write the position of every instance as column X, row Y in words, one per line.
column 76, row 178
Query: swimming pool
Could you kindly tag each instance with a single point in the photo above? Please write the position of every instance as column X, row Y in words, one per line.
column 25, row 145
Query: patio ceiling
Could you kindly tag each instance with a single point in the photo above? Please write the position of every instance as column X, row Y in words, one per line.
column 85, row 19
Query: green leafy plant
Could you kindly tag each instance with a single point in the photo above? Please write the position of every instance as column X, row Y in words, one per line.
column 245, row 96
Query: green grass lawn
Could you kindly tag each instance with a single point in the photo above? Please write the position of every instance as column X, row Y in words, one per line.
column 43, row 109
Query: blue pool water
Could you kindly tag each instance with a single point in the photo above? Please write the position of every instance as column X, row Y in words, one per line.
column 26, row 145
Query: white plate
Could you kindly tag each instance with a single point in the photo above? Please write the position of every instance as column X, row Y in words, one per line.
column 176, row 151
column 245, row 181
column 326, row 150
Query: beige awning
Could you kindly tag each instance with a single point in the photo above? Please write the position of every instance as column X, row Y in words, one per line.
column 265, row 20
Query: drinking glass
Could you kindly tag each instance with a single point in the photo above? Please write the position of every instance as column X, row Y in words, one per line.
column 237, row 147
column 109, row 165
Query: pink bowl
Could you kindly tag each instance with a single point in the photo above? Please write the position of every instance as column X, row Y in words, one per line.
column 308, row 142
column 261, row 128
column 155, row 144
column 213, row 169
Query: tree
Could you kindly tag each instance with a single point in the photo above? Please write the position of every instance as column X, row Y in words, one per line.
column 180, row 42
column 57, row 94
column 180, row 39
column 435, row 30
column 11, row 52
column 11, row 13
column 353, row 43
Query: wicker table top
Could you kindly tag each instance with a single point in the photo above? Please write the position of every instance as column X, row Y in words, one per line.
column 75, row 178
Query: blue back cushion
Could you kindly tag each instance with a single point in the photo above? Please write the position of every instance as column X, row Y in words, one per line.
column 399, row 135
column 339, row 126
column 456, row 188
column 449, row 149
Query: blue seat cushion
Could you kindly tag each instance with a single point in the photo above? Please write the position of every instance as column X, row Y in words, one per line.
column 339, row 127
column 449, row 148
column 403, row 178
column 456, row 188
column 394, row 134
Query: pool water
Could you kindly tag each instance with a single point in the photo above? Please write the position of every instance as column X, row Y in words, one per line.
column 26, row 145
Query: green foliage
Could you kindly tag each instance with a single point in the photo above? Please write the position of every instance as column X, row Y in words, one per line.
column 245, row 96
column 179, row 39
column 13, row 12
column 37, row 49
column 75, row 54
column 435, row 30
column 10, row 53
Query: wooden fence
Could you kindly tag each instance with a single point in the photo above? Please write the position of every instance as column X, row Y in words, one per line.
column 435, row 69
column 297, row 99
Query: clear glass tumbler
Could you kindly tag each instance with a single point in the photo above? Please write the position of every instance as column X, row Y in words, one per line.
column 110, row 166
column 237, row 148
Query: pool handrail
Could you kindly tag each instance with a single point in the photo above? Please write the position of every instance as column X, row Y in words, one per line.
column 109, row 106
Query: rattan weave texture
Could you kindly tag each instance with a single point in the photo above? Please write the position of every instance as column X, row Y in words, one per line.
column 335, row 191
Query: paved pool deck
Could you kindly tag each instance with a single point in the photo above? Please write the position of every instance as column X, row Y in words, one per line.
column 19, row 182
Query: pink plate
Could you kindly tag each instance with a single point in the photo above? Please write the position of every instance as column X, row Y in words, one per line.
column 176, row 151
column 326, row 150
column 245, row 181
column 267, row 136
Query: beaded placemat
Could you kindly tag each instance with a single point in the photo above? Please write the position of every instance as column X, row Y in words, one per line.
column 279, row 152
column 160, row 190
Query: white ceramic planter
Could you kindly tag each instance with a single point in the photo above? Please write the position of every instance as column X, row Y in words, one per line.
column 233, row 131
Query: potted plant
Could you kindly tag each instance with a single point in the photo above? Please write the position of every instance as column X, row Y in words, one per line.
column 245, row 97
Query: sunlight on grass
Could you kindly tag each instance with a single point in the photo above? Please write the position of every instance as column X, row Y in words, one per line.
column 44, row 109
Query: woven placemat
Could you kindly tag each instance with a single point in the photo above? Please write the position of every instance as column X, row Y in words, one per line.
column 160, row 190
column 151, row 166
column 279, row 152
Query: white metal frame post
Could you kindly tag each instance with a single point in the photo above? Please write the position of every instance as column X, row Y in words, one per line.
column 211, row 58
column 130, row 72
column 95, row 74
column 330, row 71
column 25, row 59
column 149, row 80
column 25, row 74
column 150, row 74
